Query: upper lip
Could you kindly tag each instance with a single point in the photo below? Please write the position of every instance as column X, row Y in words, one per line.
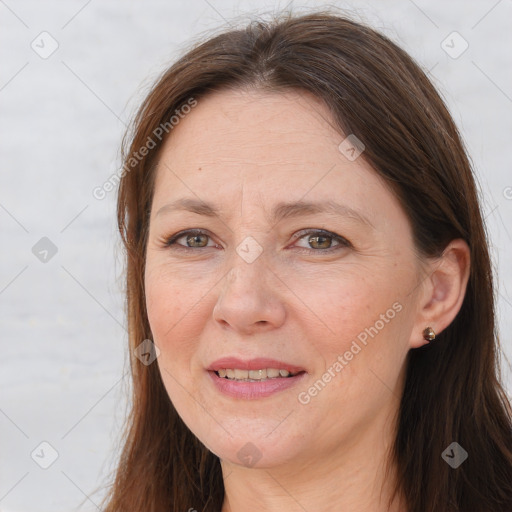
column 253, row 364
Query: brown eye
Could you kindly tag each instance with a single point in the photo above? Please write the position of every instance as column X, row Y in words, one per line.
column 198, row 240
column 194, row 239
column 322, row 241
column 318, row 240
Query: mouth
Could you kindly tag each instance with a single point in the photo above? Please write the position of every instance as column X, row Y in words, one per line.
column 255, row 369
column 260, row 375
column 256, row 378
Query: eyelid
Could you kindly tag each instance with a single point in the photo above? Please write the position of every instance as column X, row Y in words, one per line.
column 342, row 242
column 171, row 240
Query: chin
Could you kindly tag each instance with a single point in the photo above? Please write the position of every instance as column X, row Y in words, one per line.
column 255, row 451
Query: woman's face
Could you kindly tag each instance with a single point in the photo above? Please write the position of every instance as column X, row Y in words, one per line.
column 268, row 280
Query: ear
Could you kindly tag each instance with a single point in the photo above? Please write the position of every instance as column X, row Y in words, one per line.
column 443, row 291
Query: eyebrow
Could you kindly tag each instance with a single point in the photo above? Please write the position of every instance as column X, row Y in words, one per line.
column 281, row 211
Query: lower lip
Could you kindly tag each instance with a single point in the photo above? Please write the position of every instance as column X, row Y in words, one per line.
column 253, row 390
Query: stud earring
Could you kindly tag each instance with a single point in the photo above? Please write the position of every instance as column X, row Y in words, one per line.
column 429, row 334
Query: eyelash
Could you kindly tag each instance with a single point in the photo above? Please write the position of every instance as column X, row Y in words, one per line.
column 342, row 242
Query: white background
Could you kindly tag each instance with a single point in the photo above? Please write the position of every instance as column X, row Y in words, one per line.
column 62, row 352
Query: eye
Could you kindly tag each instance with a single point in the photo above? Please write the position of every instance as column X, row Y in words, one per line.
column 322, row 240
column 319, row 239
column 195, row 237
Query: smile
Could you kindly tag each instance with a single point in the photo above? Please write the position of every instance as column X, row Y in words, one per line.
column 254, row 375
column 246, row 388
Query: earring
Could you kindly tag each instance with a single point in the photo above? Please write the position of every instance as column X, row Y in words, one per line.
column 429, row 334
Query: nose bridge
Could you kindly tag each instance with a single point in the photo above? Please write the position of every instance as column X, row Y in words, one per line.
column 248, row 265
column 245, row 298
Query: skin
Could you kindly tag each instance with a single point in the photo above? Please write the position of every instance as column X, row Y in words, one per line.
column 245, row 151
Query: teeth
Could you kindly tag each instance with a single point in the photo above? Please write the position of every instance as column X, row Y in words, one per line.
column 253, row 375
column 241, row 374
column 258, row 374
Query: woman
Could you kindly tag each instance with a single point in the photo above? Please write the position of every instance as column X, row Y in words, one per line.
column 309, row 290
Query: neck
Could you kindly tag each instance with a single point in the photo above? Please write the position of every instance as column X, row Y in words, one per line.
column 357, row 475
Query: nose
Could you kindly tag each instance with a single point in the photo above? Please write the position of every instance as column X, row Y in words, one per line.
column 250, row 299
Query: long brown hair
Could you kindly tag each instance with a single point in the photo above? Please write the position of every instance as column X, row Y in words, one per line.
column 452, row 389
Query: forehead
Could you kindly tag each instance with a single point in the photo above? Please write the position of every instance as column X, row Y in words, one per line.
column 253, row 127
column 250, row 145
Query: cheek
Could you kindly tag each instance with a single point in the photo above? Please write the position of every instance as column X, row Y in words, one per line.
column 169, row 298
column 172, row 318
column 174, row 326
column 343, row 305
column 357, row 328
